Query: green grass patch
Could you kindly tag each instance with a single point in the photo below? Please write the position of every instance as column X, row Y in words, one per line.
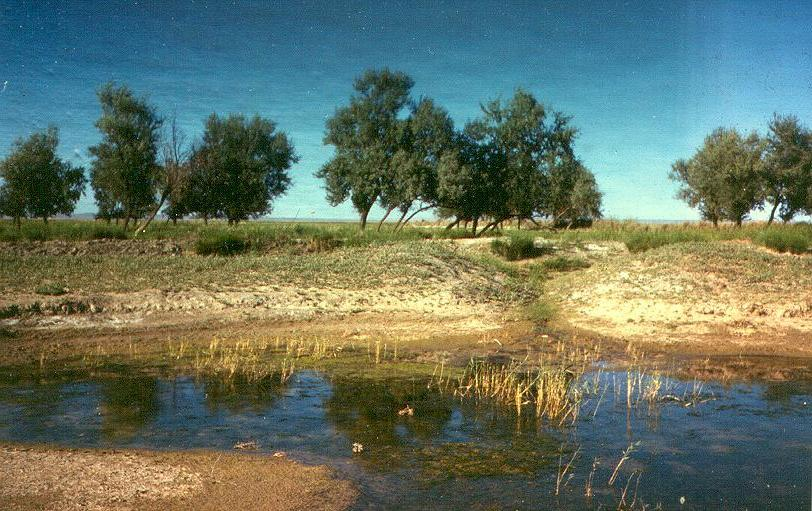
column 563, row 263
column 51, row 289
column 222, row 244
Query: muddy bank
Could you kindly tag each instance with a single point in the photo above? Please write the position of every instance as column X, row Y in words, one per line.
column 72, row 479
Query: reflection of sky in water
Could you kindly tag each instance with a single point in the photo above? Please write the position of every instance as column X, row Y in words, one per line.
column 749, row 447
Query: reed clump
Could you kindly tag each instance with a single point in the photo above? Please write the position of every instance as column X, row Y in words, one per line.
column 546, row 390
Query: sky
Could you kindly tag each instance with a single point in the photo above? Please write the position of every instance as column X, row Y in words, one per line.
column 645, row 82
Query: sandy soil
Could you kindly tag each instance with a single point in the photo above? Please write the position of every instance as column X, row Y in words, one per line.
column 684, row 303
column 69, row 479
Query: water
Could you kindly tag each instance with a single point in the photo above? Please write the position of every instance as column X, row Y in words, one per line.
column 749, row 447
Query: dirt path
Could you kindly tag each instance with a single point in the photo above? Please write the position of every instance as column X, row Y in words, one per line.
column 70, row 479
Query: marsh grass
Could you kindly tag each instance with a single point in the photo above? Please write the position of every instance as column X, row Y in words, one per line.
column 546, row 390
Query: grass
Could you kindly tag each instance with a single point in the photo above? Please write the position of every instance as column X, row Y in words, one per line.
column 637, row 237
column 783, row 240
column 222, row 244
column 563, row 263
column 413, row 263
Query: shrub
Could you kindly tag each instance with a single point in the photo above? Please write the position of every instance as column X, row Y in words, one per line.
column 51, row 289
column 516, row 248
column 107, row 232
column 563, row 263
column 541, row 311
column 222, row 244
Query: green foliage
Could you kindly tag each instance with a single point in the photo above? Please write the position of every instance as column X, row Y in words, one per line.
column 723, row 179
column 515, row 248
column 222, row 244
column 125, row 174
column 51, row 289
column 240, row 168
column 782, row 241
column 366, row 134
column 564, row 263
column 788, row 169
column 35, row 182
column 541, row 311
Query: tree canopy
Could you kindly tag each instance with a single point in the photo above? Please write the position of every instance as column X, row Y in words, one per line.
column 125, row 174
column 240, row 166
column 788, row 167
column 723, row 178
column 36, row 182
column 402, row 154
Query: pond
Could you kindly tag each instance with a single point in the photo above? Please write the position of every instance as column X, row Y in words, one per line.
column 694, row 447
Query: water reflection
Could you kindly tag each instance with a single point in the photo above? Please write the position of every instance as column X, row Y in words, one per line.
column 748, row 448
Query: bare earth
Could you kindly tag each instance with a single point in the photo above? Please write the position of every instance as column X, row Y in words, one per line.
column 733, row 298
column 69, row 479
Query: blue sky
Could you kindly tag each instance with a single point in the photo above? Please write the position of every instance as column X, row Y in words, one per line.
column 645, row 82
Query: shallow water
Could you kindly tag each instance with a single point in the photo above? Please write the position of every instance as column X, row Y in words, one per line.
column 739, row 447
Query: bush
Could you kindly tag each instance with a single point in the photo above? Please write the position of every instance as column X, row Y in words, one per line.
column 51, row 290
column 518, row 247
column 783, row 241
column 563, row 263
column 107, row 232
column 222, row 244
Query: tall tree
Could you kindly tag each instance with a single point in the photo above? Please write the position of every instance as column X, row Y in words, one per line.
column 125, row 174
column 723, row 178
column 36, row 182
column 367, row 135
column 522, row 141
column 240, row 167
column 788, row 168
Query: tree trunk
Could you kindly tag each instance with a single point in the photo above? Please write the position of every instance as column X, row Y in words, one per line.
column 474, row 223
column 452, row 224
column 364, row 215
column 45, row 220
column 18, row 222
column 772, row 213
column 413, row 214
column 126, row 222
column 397, row 225
column 205, row 219
column 139, row 230
column 388, row 212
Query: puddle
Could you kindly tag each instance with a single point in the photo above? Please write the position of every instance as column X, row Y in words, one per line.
column 743, row 446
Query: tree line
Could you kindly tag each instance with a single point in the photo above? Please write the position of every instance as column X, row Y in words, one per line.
column 516, row 161
column 733, row 174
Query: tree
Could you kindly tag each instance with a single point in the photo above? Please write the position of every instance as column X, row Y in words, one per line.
column 572, row 196
column 788, row 167
column 174, row 173
column 367, row 134
column 125, row 174
column 521, row 142
column 428, row 135
column 240, row 167
column 36, row 182
column 723, row 179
